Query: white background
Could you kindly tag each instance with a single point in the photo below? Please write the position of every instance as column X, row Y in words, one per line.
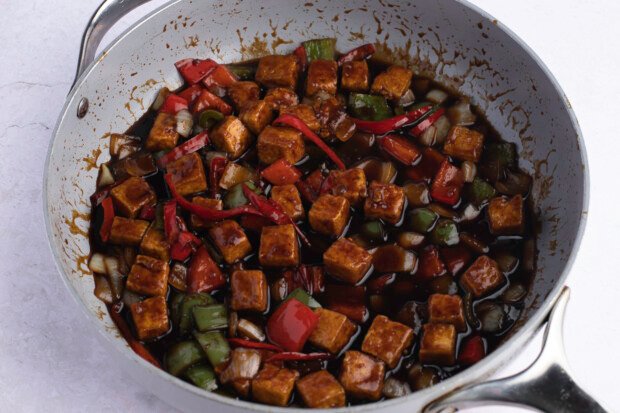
column 49, row 358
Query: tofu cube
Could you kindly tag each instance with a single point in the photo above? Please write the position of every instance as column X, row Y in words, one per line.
column 150, row 317
column 230, row 240
column 155, row 244
column 280, row 97
column 350, row 184
column 387, row 340
column 438, row 344
column 506, row 215
column 347, row 261
column 126, row 231
column 305, row 113
column 355, row 76
column 242, row 93
column 278, row 71
column 482, row 277
column 198, row 223
column 148, row 276
column 278, row 246
column 329, row 215
column 287, row 196
column 321, row 390
column 362, row 376
column 274, row 385
column 163, row 135
column 188, row 174
column 393, row 83
column 231, row 136
column 256, row 115
column 447, row 309
column 280, row 143
column 131, row 195
column 333, row 331
column 249, row 291
column 322, row 76
column 385, row 201
column 464, row 144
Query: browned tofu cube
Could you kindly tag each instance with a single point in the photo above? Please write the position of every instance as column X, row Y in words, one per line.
column 329, row 215
column 506, row 215
column 131, row 195
column 278, row 246
column 362, row 376
column 155, row 244
column 287, row 196
column 281, row 97
column 242, row 93
column 333, row 331
column 447, row 309
column 321, row 390
column 305, row 113
column 256, row 115
column 231, row 136
column 280, row 143
column 188, row 174
column 230, row 240
column 385, row 201
column 234, row 174
column 249, row 291
column 163, row 135
column 128, row 231
column 278, row 71
column 347, row 261
column 198, row 223
column 393, row 83
column 150, row 317
column 322, row 76
column 438, row 344
column 387, row 340
column 350, row 184
column 355, row 77
column 148, row 276
column 482, row 277
column 464, row 144
column 274, row 385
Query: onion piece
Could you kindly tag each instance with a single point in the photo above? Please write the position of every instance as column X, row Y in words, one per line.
column 130, row 297
column 395, row 388
column 409, row 240
column 160, row 98
column 407, row 99
column 233, row 322
column 422, row 377
column 443, row 212
column 105, row 176
column 185, row 122
column 461, row 114
column 470, row 213
column 436, row 133
column 473, row 243
column 436, row 96
column 244, row 364
column 514, row 294
column 102, row 289
column 250, row 330
column 97, row 264
column 491, row 316
column 507, row 262
column 469, row 170
column 117, row 285
column 122, row 145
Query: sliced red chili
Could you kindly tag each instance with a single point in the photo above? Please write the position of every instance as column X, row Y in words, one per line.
column 295, row 356
column 241, row 342
column 194, row 70
column 472, row 351
column 207, row 100
column 400, row 149
column 191, row 145
column 384, row 126
column 359, row 53
column 191, row 93
column 173, row 104
column 203, row 274
column 281, row 172
column 447, row 184
column 291, row 324
column 108, row 217
column 302, row 58
column 418, row 129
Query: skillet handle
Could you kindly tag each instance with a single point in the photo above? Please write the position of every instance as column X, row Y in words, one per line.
column 546, row 385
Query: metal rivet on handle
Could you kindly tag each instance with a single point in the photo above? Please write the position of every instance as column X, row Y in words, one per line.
column 82, row 108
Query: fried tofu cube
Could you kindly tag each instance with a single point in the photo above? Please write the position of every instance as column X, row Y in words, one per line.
column 305, row 113
column 385, row 201
column 278, row 71
column 322, row 77
column 506, row 215
column 482, row 277
column 150, row 317
column 393, row 83
column 243, row 92
column 198, row 223
column 249, row 291
column 274, row 385
column 387, row 340
column 231, row 136
column 333, row 331
column 188, row 174
column 355, row 76
column 280, row 143
column 438, row 344
column 329, row 215
column 362, row 376
column 321, row 390
column 350, row 184
column 131, row 195
column 287, row 196
column 148, row 276
column 278, row 246
column 155, row 244
column 464, row 144
column 347, row 261
column 126, row 231
column 256, row 115
column 280, row 97
column 447, row 309
column 163, row 135
column 230, row 240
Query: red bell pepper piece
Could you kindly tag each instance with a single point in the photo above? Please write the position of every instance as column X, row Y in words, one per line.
column 191, row 93
column 182, row 242
column 147, row 212
column 418, row 129
column 310, row 188
column 296, row 123
column 281, row 172
column 241, row 342
column 302, row 58
column 108, row 217
column 185, row 245
column 207, row 100
column 348, row 300
column 171, row 226
column 191, row 145
column 447, row 184
column 377, row 285
column 456, row 258
column 173, row 104
column 381, row 127
column 472, row 351
column 359, row 53
column 204, row 275
column 194, row 70
column 430, row 265
column 221, row 77
column 427, row 168
column 291, row 324
column 400, row 149
column 216, row 167
column 295, row 356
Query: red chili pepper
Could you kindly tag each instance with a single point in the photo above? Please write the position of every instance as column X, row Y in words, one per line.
column 447, row 184
column 418, row 129
column 173, row 104
column 281, row 172
column 216, row 167
column 204, row 275
column 191, row 145
column 147, row 212
column 359, row 53
column 472, row 351
column 381, row 127
column 184, row 246
column 135, row 345
column 291, row 324
column 241, row 342
column 295, row 356
column 108, row 218
column 296, row 123
column 377, row 285
column 430, row 265
column 221, row 77
column 191, row 93
column 456, row 258
column 207, row 100
column 171, row 226
column 427, row 168
column 302, row 58
column 400, row 149
column 194, row 70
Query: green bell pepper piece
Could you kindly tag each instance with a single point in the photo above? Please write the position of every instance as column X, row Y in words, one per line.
column 301, row 295
column 182, row 356
column 369, row 107
column 480, row 191
column 373, row 231
column 202, row 376
column 186, row 318
column 242, row 72
column 210, row 317
column 209, row 118
column 445, row 233
column 214, row 345
column 175, row 307
column 235, row 198
column 320, row 49
column 422, row 219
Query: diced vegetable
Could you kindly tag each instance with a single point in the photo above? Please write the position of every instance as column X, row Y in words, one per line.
column 192, row 145
column 173, row 104
column 461, row 114
column 214, row 345
column 102, row 289
column 208, row 118
column 393, row 258
column 96, row 263
column 220, row 77
column 108, row 217
column 204, row 275
column 447, row 184
column 422, row 377
column 472, row 351
column 234, row 174
column 305, row 298
column 409, row 240
column 281, row 172
column 422, row 220
column 210, row 317
column 436, row 96
column 191, row 93
column 291, row 324
column 105, row 176
column 242, row 72
column 160, row 98
column 202, row 376
column 185, row 122
column 182, row 356
column 445, row 233
column 235, row 198
column 359, row 53
column 480, row 191
column 194, row 70
column 320, row 49
column 514, row 294
column 491, row 316
column 395, row 388
column 400, row 149
column 207, row 100
column 430, row 264
column 426, row 121
column 250, row 330
column 186, row 317
column 370, row 108
column 373, row 231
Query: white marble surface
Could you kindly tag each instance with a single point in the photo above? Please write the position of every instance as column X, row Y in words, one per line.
column 49, row 358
